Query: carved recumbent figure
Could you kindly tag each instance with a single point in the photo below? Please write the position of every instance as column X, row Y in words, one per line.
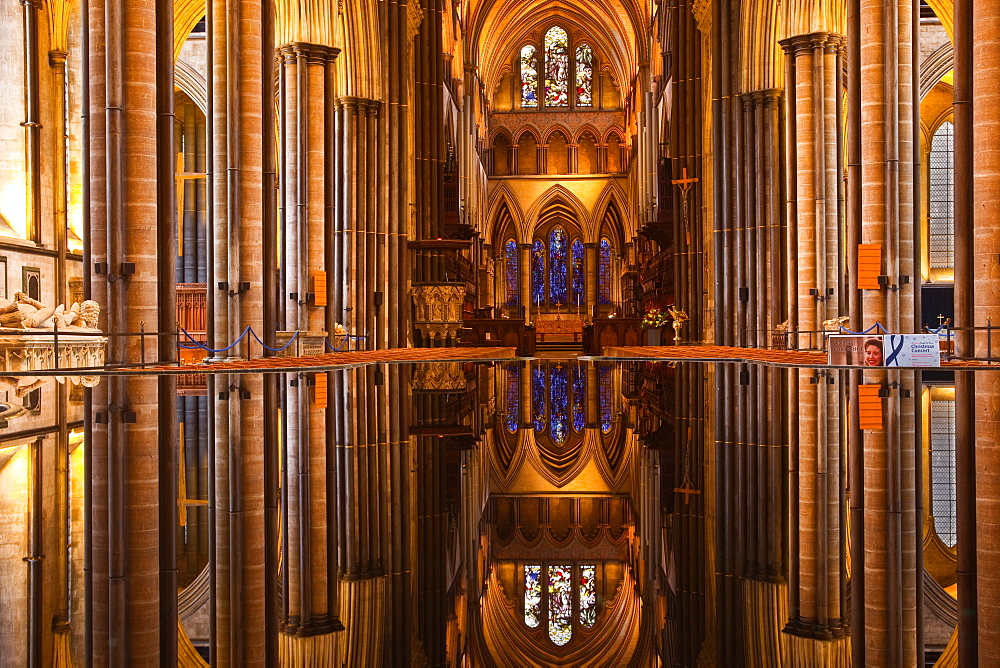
column 27, row 313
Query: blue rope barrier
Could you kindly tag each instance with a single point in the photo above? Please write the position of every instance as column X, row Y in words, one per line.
column 274, row 350
column 936, row 331
column 200, row 345
column 347, row 338
column 877, row 325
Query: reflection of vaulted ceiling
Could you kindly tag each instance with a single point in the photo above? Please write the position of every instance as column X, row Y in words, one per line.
column 499, row 26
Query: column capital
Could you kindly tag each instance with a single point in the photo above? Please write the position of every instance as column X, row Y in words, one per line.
column 800, row 44
column 318, row 54
column 359, row 104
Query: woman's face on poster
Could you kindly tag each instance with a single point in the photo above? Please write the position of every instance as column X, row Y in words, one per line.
column 873, row 354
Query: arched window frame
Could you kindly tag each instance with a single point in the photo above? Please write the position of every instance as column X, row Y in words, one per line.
column 511, row 273
column 577, row 622
column 541, row 296
column 574, row 43
column 940, row 219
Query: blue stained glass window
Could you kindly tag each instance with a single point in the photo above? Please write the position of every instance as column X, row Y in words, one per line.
column 560, row 604
column 529, row 76
column 512, row 278
column 556, row 67
column 513, row 416
column 579, row 397
column 532, row 595
column 557, row 266
column 538, row 397
column 576, row 262
column 604, row 380
column 588, row 595
column 559, row 406
column 584, row 75
column 604, row 271
column 538, row 273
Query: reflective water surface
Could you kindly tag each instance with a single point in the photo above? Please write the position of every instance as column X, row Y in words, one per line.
column 510, row 513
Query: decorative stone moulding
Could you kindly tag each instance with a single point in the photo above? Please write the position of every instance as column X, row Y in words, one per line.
column 439, row 377
column 438, row 309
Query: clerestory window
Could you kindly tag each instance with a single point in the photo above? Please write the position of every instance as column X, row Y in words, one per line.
column 567, row 72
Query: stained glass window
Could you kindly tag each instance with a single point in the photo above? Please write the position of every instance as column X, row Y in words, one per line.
column 529, row 76
column 532, row 595
column 576, row 261
column 604, row 381
column 584, row 75
column 604, row 271
column 559, row 406
column 513, row 416
column 941, row 216
column 579, row 398
column 556, row 67
column 538, row 273
column 560, row 604
column 557, row 266
column 538, row 397
column 512, row 278
column 588, row 595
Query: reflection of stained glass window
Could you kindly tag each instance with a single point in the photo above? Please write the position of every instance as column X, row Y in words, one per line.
column 513, row 417
column 576, row 254
column 559, row 408
column 604, row 271
column 511, row 277
column 529, row 76
column 556, row 67
column 532, row 595
column 538, row 272
column 557, row 266
column 604, row 380
column 560, row 604
column 584, row 75
column 588, row 595
column 579, row 398
column 538, row 396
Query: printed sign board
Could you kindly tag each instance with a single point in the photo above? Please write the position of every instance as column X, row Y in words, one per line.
column 888, row 350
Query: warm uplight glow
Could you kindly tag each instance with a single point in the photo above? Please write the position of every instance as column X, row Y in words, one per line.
column 13, row 196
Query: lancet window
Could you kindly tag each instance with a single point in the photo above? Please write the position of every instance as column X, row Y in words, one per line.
column 942, row 461
column 560, row 596
column 512, row 274
column 557, row 277
column 604, row 271
column 559, row 396
column 567, row 72
column 941, row 235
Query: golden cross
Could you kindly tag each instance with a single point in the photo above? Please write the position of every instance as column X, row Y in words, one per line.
column 181, row 176
column 685, row 184
column 182, row 501
column 687, row 489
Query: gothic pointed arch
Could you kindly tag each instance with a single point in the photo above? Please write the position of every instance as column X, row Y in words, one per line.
column 502, row 197
column 558, row 193
column 611, row 206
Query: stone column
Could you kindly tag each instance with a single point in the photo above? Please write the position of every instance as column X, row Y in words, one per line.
column 574, row 157
column 591, row 268
column 986, row 194
column 525, row 267
column 305, row 92
column 886, row 176
column 238, row 194
column 123, row 190
column 813, row 66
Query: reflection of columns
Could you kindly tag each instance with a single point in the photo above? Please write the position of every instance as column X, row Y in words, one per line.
column 817, row 609
column 986, row 128
column 884, row 164
column 592, row 270
column 131, row 198
column 239, row 229
column 305, row 93
column 525, row 267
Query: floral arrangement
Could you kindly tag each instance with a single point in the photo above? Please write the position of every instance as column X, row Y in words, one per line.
column 654, row 319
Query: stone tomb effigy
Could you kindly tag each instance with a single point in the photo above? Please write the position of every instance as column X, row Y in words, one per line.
column 35, row 337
